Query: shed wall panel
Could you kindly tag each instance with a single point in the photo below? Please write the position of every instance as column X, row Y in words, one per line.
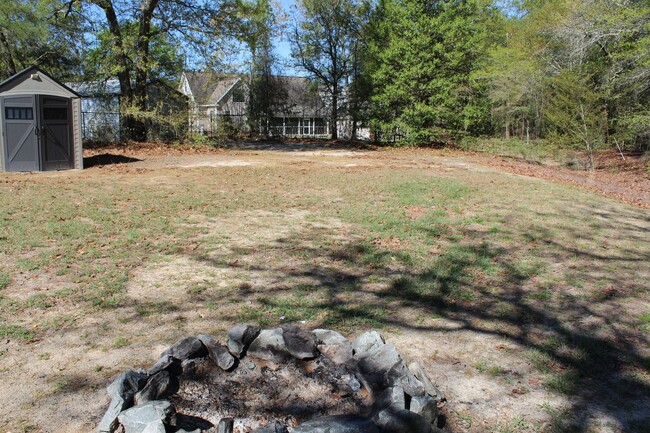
column 32, row 82
column 76, row 133
column 2, row 147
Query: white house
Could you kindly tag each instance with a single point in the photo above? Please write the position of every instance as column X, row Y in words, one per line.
column 221, row 101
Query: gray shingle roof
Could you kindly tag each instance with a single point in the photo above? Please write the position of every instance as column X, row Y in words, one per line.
column 302, row 98
column 208, row 88
column 96, row 88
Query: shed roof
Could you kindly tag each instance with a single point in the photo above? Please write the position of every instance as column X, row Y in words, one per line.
column 36, row 80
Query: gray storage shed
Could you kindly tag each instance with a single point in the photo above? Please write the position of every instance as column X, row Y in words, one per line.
column 41, row 123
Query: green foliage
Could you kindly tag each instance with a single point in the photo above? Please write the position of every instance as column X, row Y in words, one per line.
column 423, row 55
column 325, row 44
column 575, row 72
column 38, row 32
column 576, row 111
column 164, row 62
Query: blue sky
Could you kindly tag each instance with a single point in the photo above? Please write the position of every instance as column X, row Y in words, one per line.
column 282, row 47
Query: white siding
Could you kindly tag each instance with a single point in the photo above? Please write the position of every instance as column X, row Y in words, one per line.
column 76, row 134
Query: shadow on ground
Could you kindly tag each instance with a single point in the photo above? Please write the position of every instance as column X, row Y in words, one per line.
column 108, row 159
column 303, row 145
column 580, row 337
column 582, row 340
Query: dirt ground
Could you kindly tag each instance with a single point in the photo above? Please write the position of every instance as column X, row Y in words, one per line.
column 56, row 384
column 626, row 179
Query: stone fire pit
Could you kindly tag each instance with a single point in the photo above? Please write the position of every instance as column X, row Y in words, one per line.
column 272, row 381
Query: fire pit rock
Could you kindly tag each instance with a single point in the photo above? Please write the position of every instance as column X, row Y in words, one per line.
column 278, row 380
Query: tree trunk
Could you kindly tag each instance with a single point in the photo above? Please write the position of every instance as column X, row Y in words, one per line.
column 142, row 63
column 335, row 112
column 123, row 75
column 6, row 52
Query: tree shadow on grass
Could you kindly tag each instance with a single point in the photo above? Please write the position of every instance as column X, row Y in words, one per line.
column 580, row 339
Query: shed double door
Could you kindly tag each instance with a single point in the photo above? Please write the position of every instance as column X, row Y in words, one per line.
column 37, row 133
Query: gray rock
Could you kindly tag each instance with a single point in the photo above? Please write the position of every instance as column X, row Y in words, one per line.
column 169, row 363
column 366, row 341
column 338, row 424
column 147, row 417
column 226, row 425
column 392, row 398
column 402, row 421
column 376, row 362
column 159, row 386
column 155, row 427
column 189, row 368
column 218, row 353
column 333, row 345
column 274, row 427
column 240, row 337
column 269, row 345
column 339, row 354
column 400, row 375
column 121, row 391
column 429, row 387
column 328, row 337
column 299, row 343
column 426, row 407
column 382, row 366
column 187, row 348
column 351, row 382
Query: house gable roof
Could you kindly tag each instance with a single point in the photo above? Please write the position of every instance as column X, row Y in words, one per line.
column 302, row 98
column 210, row 88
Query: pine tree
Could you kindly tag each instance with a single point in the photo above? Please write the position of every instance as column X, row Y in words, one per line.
column 424, row 54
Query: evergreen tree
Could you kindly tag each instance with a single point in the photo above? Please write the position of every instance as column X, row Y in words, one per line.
column 424, row 54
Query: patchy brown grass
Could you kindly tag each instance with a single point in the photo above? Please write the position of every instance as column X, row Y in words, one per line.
column 527, row 301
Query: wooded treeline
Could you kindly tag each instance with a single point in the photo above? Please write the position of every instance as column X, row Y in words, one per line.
column 576, row 72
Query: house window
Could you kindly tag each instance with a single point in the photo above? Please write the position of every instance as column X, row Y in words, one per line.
column 238, row 96
column 19, row 113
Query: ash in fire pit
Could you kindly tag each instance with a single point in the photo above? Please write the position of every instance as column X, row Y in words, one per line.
column 275, row 380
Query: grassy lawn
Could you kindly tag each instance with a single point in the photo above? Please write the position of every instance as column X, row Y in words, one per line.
column 504, row 280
